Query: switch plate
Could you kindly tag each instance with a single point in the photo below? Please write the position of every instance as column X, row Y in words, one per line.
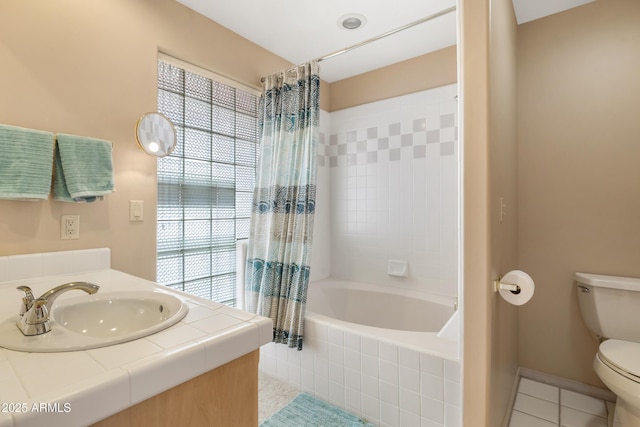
column 70, row 227
column 136, row 210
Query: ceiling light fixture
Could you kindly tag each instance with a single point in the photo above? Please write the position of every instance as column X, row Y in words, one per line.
column 352, row 21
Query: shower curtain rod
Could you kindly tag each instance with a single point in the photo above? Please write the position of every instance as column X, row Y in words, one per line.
column 388, row 33
column 383, row 35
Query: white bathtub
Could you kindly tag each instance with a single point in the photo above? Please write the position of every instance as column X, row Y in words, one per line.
column 389, row 355
column 398, row 316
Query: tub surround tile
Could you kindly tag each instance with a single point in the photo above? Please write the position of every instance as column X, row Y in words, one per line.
column 382, row 144
column 452, row 371
column 389, row 372
column 410, row 401
column 371, row 409
column 409, row 379
column 383, row 383
column 353, row 400
column 370, row 347
column 432, row 409
column 389, row 415
column 389, row 393
column 431, row 365
column 432, row 386
column 409, row 358
column 100, row 382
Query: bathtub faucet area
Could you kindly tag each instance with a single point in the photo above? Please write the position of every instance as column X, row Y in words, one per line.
column 34, row 313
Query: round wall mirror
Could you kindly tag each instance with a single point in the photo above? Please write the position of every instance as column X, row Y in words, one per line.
column 155, row 134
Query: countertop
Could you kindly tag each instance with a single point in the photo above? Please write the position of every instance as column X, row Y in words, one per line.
column 78, row 388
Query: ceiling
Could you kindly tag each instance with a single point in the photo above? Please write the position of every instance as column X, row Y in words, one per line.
column 302, row 30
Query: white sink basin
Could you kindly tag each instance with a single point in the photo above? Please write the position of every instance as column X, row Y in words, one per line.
column 99, row 320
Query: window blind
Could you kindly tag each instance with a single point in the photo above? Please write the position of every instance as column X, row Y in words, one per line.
column 205, row 187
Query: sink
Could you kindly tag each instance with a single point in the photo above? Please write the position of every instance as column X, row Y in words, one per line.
column 99, row 320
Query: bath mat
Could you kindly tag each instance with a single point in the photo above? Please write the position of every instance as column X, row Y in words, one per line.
column 307, row 411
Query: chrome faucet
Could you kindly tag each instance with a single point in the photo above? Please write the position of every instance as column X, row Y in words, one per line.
column 34, row 312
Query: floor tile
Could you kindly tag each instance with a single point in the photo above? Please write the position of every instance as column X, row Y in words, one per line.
column 583, row 403
column 537, row 407
column 570, row 417
column 542, row 405
column 539, row 390
column 519, row 419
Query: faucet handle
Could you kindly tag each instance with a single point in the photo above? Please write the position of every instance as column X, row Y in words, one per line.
column 36, row 320
column 27, row 300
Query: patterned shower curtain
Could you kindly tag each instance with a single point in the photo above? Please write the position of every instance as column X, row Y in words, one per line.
column 278, row 255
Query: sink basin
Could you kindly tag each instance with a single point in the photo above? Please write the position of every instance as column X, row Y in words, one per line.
column 102, row 319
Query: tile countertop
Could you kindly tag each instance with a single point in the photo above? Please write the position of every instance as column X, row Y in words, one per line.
column 78, row 388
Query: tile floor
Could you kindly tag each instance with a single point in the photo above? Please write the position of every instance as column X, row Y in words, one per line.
column 272, row 396
column 542, row 405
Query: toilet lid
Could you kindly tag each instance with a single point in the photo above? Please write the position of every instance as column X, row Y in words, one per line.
column 623, row 356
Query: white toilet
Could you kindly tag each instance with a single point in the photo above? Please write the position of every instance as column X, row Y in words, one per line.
column 610, row 307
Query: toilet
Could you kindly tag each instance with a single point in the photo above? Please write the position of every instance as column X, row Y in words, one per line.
column 610, row 307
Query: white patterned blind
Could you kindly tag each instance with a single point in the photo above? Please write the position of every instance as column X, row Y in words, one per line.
column 205, row 187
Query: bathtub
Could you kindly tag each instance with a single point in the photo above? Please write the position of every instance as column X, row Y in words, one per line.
column 386, row 354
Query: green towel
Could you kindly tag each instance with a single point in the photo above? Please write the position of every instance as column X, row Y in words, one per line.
column 26, row 157
column 83, row 169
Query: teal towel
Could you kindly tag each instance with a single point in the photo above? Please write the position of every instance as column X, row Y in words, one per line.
column 83, row 169
column 26, row 157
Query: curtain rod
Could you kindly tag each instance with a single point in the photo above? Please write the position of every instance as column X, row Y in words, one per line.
column 388, row 33
column 381, row 36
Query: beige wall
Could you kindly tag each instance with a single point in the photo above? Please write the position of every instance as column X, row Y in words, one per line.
column 488, row 65
column 579, row 179
column 88, row 67
column 424, row 72
column 503, row 177
column 474, row 87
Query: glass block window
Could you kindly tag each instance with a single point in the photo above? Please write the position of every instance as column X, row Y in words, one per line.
column 205, row 186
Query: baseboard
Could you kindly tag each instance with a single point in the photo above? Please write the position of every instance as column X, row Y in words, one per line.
column 567, row 384
column 512, row 399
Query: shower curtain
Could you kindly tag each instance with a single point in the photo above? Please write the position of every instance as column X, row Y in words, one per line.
column 277, row 271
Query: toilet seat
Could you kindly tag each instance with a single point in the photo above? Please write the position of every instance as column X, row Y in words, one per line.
column 623, row 357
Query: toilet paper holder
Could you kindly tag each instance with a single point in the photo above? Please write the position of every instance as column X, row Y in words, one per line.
column 498, row 285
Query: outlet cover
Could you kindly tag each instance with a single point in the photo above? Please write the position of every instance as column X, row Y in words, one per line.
column 70, row 227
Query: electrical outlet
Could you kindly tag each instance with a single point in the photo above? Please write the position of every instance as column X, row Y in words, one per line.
column 70, row 227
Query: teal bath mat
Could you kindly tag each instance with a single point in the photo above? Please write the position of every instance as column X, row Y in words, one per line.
column 307, row 411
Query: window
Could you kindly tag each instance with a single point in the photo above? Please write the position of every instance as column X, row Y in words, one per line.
column 205, row 187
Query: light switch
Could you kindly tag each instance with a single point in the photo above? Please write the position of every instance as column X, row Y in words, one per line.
column 136, row 210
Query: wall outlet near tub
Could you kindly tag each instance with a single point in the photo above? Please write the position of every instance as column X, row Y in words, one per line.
column 397, row 268
column 70, row 227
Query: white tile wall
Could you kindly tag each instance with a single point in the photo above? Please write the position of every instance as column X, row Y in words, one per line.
column 393, row 168
column 387, row 385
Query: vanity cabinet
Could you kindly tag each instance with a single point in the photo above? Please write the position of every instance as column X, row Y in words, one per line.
column 225, row 396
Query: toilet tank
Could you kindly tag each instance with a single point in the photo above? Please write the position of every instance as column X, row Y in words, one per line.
column 610, row 305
